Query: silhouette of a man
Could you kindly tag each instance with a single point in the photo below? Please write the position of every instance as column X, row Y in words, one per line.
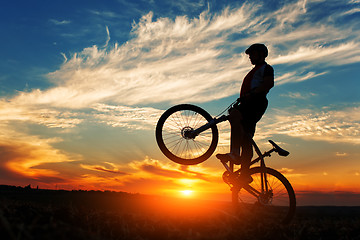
column 253, row 103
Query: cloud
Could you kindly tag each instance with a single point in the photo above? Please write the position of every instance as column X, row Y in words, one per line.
column 128, row 117
column 25, row 155
column 156, row 170
column 333, row 56
column 290, row 13
column 107, row 14
column 143, row 175
column 341, row 154
column 43, row 115
column 60, row 22
column 198, row 59
column 110, row 168
column 323, row 125
column 298, row 95
column 290, row 173
column 108, row 36
column 352, row 11
column 296, row 77
column 155, row 167
column 185, row 5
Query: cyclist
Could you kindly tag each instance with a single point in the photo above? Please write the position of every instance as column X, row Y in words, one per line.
column 244, row 116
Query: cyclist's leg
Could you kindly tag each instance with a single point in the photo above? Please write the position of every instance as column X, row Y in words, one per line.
column 236, row 131
column 235, row 137
column 252, row 113
column 243, row 119
column 246, row 143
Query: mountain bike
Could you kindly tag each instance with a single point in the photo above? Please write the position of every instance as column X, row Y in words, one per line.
column 188, row 135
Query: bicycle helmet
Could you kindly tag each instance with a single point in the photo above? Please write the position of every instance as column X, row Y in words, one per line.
column 257, row 47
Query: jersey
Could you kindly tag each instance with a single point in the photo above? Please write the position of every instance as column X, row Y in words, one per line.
column 255, row 78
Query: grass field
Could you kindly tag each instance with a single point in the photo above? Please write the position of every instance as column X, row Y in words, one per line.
column 48, row 214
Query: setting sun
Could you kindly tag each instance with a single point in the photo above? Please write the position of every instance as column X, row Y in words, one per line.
column 187, row 193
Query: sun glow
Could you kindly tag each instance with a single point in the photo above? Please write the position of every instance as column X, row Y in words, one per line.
column 187, row 193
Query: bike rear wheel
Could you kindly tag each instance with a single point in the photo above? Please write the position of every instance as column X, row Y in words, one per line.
column 268, row 196
column 172, row 134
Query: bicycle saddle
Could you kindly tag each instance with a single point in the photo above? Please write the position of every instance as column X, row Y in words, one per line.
column 279, row 150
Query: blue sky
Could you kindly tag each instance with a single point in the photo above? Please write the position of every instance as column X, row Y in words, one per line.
column 84, row 82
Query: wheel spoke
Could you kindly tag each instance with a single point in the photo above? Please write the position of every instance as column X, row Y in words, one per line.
column 277, row 203
column 173, row 134
column 177, row 144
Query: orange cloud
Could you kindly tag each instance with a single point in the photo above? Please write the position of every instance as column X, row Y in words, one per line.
column 100, row 168
column 23, row 155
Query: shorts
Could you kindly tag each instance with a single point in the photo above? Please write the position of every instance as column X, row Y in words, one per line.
column 252, row 111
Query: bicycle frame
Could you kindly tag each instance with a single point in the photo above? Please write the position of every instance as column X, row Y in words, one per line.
column 195, row 132
column 266, row 194
column 261, row 157
column 230, row 167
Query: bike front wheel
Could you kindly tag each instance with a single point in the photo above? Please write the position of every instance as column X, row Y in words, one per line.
column 268, row 196
column 173, row 138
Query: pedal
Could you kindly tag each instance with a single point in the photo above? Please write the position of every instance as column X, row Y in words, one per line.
column 223, row 158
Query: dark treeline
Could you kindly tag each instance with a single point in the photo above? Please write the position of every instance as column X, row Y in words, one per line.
column 31, row 213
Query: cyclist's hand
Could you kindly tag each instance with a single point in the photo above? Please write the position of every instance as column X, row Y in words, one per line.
column 234, row 114
column 231, row 110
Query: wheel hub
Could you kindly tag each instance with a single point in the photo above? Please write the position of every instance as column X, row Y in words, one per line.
column 266, row 198
column 186, row 133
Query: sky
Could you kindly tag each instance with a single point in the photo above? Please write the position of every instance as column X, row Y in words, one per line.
column 83, row 83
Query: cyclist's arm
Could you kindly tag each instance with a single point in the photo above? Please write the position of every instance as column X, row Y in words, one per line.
column 268, row 81
column 265, row 86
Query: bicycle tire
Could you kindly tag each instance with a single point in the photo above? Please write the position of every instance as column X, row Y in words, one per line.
column 174, row 145
column 280, row 207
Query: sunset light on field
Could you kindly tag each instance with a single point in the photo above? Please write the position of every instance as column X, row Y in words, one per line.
column 83, row 85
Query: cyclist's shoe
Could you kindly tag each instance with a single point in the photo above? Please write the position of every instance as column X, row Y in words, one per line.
column 229, row 157
column 243, row 179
